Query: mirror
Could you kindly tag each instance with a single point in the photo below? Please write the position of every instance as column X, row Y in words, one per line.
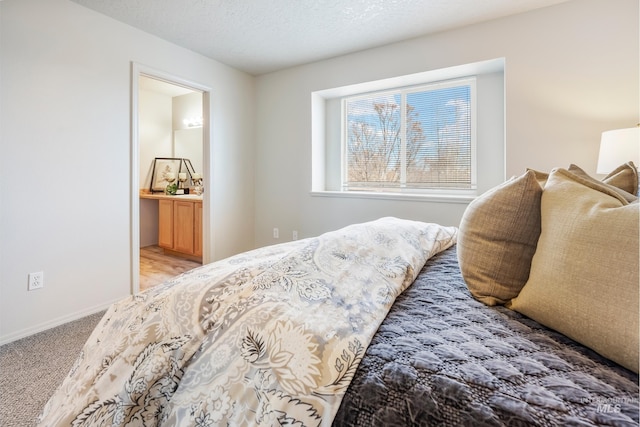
column 170, row 125
column 187, row 144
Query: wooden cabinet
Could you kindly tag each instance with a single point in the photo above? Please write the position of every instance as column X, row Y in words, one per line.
column 197, row 238
column 183, row 227
column 180, row 226
column 165, row 224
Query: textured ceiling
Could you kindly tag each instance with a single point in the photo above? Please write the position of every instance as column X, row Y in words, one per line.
column 260, row 36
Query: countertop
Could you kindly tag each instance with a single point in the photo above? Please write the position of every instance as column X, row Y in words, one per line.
column 145, row 194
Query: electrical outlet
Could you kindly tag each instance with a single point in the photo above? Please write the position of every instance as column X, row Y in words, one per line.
column 36, row 281
column 294, row 235
column 276, row 233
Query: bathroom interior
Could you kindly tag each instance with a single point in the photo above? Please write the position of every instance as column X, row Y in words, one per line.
column 169, row 127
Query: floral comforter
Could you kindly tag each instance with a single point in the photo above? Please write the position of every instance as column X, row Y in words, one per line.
column 269, row 337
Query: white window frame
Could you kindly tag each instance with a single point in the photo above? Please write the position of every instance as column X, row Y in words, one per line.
column 326, row 138
column 404, row 91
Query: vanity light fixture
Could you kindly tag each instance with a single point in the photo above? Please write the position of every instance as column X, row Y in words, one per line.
column 193, row 122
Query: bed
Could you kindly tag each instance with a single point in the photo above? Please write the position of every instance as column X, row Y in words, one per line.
column 390, row 322
column 466, row 364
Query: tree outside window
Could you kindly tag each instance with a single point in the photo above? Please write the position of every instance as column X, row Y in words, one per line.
column 414, row 138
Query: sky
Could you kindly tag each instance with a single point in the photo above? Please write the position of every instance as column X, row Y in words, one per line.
column 443, row 112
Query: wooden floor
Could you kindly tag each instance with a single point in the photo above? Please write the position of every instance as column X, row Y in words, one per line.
column 156, row 267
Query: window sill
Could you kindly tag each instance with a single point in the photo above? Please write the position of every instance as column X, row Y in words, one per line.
column 432, row 198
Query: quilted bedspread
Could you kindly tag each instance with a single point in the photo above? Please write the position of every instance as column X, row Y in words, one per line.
column 268, row 337
column 441, row 358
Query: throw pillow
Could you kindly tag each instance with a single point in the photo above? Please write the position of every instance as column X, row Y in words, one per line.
column 624, row 177
column 619, row 180
column 540, row 176
column 497, row 239
column 584, row 275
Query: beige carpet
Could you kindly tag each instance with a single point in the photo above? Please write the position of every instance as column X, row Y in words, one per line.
column 33, row 367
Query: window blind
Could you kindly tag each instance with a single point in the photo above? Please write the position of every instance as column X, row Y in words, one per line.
column 414, row 138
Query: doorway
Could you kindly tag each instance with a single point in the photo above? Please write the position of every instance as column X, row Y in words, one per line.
column 169, row 120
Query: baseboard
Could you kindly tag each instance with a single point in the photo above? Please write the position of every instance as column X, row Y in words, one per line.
column 55, row 322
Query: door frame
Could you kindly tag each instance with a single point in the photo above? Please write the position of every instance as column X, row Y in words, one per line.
column 138, row 70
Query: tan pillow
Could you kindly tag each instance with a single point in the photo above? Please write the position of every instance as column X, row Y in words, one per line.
column 624, row 177
column 540, row 176
column 497, row 239
column 584, row 279
column 618, row 180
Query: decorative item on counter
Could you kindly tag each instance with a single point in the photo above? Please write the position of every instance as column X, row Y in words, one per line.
column 197, row 183
column 161, row 167
column 179, row 169
column 182, row 177
column 172, row 187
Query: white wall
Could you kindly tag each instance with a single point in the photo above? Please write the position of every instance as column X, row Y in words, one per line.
column 65, row 166
column 571, row 72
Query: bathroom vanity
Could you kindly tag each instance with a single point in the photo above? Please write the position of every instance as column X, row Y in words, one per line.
column 179, row 224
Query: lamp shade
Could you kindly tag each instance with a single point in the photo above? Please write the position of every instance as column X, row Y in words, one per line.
column 618, row 147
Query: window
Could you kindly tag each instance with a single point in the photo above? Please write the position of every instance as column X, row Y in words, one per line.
column 430, row 158
column 412, row 139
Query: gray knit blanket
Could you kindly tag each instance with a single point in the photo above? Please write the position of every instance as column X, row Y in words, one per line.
column 441, row 358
